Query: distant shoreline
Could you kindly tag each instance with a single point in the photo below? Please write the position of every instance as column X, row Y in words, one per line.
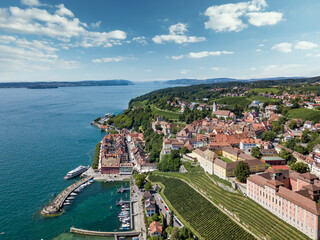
column 46, row 85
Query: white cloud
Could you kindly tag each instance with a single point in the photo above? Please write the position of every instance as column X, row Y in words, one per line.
column 215, row 68
column 184, row 71
column 29, row 56
column 61, row 25
column 281, row 70
column 63, row 11
column 264, row 18
column 284, row 47
column 304, row 45
column 177, row 35
column 6, row 39
column 201, row 54
column 30, row 2
column 229, row 17
column 112, row 59
column 141, row 40
column 96, row 24
column 287, row 47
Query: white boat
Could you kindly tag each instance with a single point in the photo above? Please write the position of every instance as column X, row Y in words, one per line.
column 70, row 198
column 73, row 194
column 125, row 225
column 66, row 203
column 76, row 172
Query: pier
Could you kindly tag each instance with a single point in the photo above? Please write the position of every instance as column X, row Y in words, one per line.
column 122, row 189
column 55, row 206
column 104, row 234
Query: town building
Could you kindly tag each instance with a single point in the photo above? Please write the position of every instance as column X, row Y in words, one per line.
column 290, row 196
column 155, row 229
column 205, row 158
column 273, row 160
column 247, row 144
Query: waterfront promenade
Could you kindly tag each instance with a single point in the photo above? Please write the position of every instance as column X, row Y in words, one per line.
column 55, row 206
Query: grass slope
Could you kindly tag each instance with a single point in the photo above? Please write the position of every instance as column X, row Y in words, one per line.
column 305, row 114
column 167, row 114
column 264, row 90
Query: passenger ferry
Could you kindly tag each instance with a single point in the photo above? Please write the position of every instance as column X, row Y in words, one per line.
column 76, row 172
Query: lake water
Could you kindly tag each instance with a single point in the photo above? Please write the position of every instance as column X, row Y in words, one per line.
column 44, row 133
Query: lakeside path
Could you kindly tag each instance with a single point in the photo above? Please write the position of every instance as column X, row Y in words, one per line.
column 217, row 206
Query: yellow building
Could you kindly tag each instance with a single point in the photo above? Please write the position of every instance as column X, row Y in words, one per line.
column 224, row 170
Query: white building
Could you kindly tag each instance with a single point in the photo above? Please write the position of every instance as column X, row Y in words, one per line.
column 247, row 144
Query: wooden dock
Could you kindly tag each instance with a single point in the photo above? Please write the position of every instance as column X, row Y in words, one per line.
column 55, row 206
column 104, row 234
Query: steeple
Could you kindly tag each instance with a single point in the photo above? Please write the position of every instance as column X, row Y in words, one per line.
column 214, row 107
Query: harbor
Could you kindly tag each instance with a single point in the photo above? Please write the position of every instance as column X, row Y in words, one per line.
column 55, row 207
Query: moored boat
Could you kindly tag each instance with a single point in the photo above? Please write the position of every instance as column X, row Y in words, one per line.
column 76, row 172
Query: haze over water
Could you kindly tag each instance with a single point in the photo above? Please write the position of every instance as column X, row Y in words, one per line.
column 43, row 135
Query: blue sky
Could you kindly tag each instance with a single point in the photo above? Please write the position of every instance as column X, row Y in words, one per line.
column 157, row 40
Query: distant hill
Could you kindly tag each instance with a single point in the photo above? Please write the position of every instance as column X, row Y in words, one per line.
column 220, row 80
column 43, row 85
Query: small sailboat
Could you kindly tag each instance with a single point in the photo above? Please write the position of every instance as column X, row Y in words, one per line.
column 70, row 198
column 73, row 194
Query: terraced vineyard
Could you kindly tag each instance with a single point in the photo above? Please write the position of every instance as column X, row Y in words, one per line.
column 259, row 220
column 203, row 216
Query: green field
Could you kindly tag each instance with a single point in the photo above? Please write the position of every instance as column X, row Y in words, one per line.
column 264, row 90
column 203, row 216
column 243, row 101
column 139, row 104
column 259, row 220
column 305, row 114
column 262, row 99
column 233, row 101
column 167, row 114
column 315, row 89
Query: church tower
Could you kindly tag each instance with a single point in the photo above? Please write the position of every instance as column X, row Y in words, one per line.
column 214, row 107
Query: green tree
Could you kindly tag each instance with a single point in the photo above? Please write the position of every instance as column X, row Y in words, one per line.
column 185, row 233
column 287, row 156
column 175, row 233
column 293, row 124
column 140, row 178
column 268, row 136
column 184, row 150
column 301, row 149
column 300, row 167
column 305, row 136
column 148, row 186
column 241, row 171
column 155, row 217
column 255, row 152
column 171, row 220
column 291, row 144
column 164, row 222
column 277, row 127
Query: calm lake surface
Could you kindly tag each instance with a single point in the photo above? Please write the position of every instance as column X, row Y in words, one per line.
column 44, row 133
